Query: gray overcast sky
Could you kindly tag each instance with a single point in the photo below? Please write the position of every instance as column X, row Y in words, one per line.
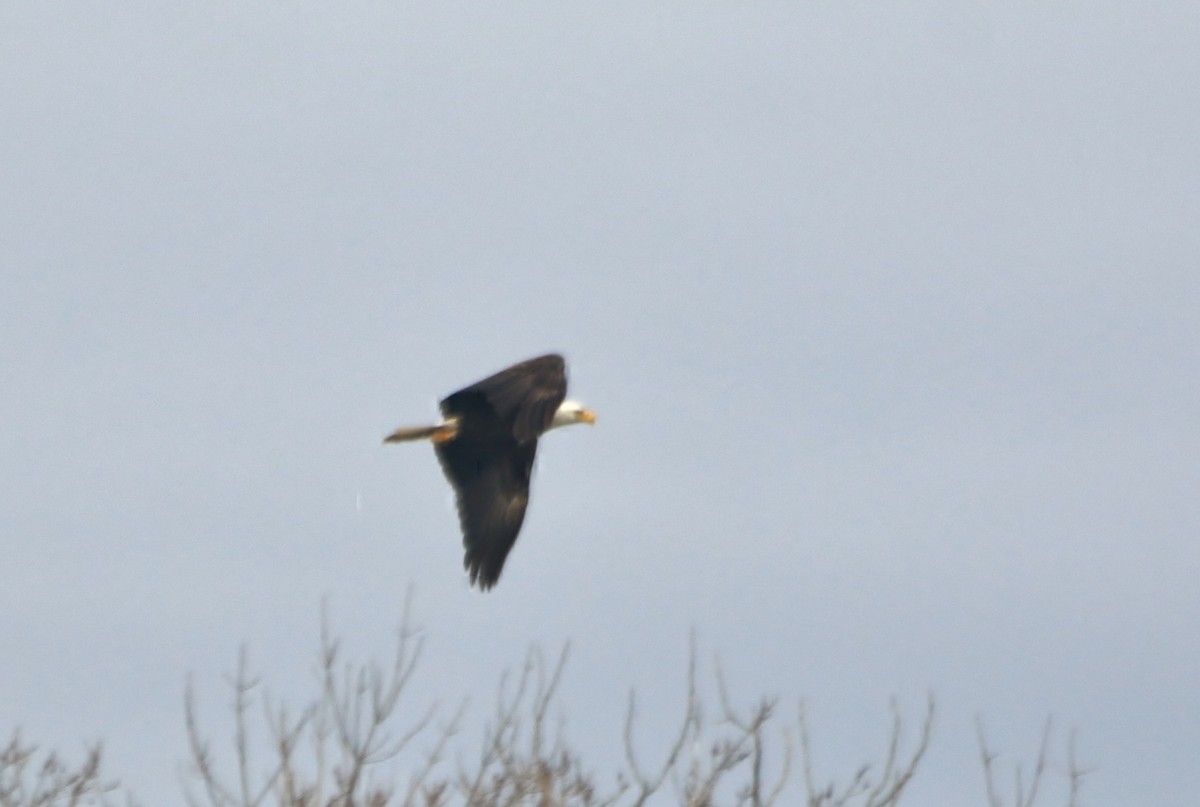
column 889, row 311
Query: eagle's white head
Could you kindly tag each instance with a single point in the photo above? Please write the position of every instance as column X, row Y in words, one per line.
column 572, row 412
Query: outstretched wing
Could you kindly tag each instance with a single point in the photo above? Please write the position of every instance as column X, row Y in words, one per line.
column 523, row 397
column 490, row 476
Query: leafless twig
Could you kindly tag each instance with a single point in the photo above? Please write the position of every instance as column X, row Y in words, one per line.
column 648, row 785
column 1026, row 791
column 30, row 779
column 892, row 779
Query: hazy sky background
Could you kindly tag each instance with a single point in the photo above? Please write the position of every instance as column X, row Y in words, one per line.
column 889, row 312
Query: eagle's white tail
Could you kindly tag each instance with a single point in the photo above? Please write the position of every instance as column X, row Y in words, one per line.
column 438, row 433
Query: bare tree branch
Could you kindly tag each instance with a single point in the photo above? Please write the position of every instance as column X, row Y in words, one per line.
column 648, row 785
column 892, row 779
column 1026, row 793
column 30, row 779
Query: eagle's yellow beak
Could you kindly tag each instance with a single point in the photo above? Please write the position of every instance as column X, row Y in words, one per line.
column 588, row 417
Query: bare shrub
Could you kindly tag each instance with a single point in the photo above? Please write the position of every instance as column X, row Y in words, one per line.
column 332, row 752
column 360, row 740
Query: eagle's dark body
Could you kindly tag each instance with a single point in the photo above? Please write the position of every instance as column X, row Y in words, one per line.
column 489, row 462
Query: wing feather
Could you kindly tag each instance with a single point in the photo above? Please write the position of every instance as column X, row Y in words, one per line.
column 523, row 397
column 491, row 484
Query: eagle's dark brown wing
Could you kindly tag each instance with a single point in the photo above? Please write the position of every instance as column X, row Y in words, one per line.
column 522, row 398
column 490, row 474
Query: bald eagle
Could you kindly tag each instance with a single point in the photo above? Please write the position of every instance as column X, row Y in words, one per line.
column 486, row 445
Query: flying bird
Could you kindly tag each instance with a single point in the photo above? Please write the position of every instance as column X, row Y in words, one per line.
column 486, row 444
